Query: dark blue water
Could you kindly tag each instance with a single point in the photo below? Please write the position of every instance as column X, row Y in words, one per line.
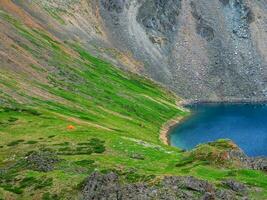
column 245, row 124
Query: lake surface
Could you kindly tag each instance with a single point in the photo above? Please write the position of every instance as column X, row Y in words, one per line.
column 245, row 124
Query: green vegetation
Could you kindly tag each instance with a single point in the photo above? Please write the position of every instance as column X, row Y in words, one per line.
column 14, row 143
column 94, row 117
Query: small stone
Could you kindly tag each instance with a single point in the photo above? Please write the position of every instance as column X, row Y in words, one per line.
column 235, row 186
column 208, row 196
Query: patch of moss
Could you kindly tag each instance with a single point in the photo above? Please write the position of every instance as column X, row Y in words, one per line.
column 85, row 163
column 62, row 144
column 185, row 161
column 48, row 196
column 43, row 182
column 15, row 142
column 12, row 119
column 28, row 182
column 31, row 142
column 12, row 188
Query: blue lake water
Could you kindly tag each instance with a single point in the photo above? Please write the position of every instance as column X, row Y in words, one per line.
column 245, row 124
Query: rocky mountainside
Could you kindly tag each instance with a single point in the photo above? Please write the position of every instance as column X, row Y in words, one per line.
column 201, row 49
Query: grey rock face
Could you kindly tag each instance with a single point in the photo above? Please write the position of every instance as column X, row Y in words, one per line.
column 108, row 187
column 257, row 163
column 202, row 49
column 242, row 19
column 224, row 2
column 114, row 5
column 159, row 16
column 202, row 28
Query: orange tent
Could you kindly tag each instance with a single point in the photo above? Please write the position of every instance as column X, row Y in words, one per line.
column 70, row 127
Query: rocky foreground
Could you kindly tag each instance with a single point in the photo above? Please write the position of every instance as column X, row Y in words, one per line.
column 109, row 186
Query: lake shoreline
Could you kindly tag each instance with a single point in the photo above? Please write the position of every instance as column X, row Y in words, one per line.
column 168, row 126
column 211, row 122
column 224, row 101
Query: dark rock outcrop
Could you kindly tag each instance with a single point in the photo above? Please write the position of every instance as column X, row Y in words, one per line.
column 108, row 187
column 190, row 183
column 114, row 5
column 43, row 161
column 257, row 163
column 104, row 186
column 225, row 194
column 235, row 186
column 226, row 153
column 159, row 17
column 202, row 27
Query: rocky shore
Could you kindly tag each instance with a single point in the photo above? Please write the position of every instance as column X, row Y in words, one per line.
column 228, row 149
column 257, row 163
column 227, row 100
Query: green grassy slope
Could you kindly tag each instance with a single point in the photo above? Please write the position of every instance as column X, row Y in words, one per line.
column 89, row 114
column 99, row 101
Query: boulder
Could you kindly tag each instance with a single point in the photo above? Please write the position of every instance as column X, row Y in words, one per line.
column 235, row 186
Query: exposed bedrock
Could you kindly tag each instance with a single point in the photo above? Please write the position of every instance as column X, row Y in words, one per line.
column 113, row 5
column 109, row 187
column 202, row 49
column 227, row 154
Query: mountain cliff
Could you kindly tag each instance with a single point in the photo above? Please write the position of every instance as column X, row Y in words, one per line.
column 201, row 49
column 211, row 50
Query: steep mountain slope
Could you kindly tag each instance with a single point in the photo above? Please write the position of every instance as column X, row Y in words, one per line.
column 205, row 50
column 216, row 49
column 65, row 113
